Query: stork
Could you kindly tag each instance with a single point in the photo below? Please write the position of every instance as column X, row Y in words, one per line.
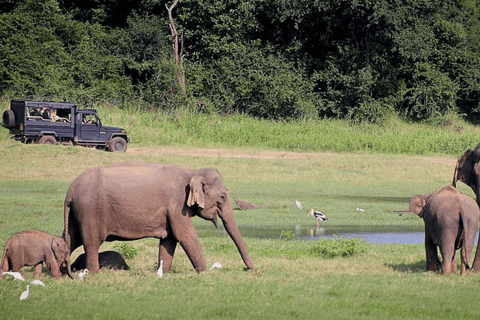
column 317, row 215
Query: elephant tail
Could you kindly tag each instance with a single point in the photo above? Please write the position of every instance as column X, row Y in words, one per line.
column 467, row 241
column 4, row 266
column 66, row 217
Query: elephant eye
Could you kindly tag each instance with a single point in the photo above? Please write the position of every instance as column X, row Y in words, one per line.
column 222, row 199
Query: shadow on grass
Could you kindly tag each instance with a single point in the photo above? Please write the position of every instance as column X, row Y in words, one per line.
column 417, row 267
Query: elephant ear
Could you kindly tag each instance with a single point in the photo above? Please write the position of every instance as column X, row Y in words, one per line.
column 57, row 250
column 196, row 194
column 464, row 170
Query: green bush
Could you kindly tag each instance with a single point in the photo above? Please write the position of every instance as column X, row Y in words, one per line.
column 343, row 247
column 287, row 235
column 125, row 249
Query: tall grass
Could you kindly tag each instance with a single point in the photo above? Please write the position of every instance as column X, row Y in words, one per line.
column 445, row 135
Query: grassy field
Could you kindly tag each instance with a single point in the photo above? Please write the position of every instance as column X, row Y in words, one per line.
column 290, row 280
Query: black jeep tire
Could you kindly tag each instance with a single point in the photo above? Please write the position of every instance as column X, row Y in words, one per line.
column 47, row 140
column 8, row 119
column 117, row 144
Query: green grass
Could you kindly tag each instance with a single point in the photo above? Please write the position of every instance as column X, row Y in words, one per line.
column 292, row 278
column 448, row 135
column 443, row 135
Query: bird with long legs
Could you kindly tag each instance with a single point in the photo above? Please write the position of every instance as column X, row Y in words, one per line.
column 317, row 215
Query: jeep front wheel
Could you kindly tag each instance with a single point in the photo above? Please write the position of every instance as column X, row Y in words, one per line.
column 47, row 140
column 117, row 144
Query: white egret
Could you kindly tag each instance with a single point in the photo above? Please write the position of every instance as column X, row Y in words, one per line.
column 317, row 215
column 160, row 269
column 360, row 209
column 15, row 275
column 298, row 205
column 216, row 265
column 38, row 283
column 82, row 274
column 25, row 293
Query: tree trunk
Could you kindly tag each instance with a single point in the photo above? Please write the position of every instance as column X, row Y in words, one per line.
column 177, row 56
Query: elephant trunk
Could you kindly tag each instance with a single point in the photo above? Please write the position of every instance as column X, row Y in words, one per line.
column 234, row 233
column 69, row 268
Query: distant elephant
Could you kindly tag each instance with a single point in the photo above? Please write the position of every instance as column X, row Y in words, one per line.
column 451, row 223
column 135, row 200
column 33, row 248
column 417, row 202
column 106, row 259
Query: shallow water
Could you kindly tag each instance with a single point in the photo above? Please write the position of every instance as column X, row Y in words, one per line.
column 374, row 234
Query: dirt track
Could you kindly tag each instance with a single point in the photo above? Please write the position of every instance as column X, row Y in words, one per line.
column 237, row 153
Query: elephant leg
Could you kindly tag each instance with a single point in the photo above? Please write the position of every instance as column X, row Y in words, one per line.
column 433, row 262
column 449, row 263
column 52, row 265
column 166, row 251
column 37, row 271
column 476, row 261
column 191, row 245
column 453, row 267
column 91, row 253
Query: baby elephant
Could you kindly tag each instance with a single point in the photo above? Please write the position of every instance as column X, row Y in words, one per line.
column 107, row 259
column 33, row 248
column 451, row 222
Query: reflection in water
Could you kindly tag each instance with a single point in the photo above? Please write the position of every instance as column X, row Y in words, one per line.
column 375, row 234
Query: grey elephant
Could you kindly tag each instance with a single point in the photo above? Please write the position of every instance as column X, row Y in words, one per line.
column 417, row 202
column 451, row 223
column 135, row 200
column 106, row 259
column 33, row 248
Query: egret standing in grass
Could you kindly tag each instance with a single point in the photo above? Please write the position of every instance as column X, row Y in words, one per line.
column 82, row 274
column 25, row 294
column 298, row 205
column 360, row 209
column 160, row 269
column 15, row 275
column 317, row 215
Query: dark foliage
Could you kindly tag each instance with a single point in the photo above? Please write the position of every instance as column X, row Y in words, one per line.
column 358, row 60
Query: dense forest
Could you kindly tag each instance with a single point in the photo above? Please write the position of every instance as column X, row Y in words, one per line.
column 279, row 59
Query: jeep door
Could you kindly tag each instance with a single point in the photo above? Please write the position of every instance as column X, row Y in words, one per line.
column 89, row 127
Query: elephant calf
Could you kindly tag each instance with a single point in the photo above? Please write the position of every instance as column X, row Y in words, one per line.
column 106, row 259
column 451, row 223
column 33, row 248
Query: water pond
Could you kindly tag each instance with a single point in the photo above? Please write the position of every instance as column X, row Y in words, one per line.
column 374, row 234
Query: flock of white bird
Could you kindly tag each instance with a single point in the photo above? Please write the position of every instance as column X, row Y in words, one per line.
column 18, row 276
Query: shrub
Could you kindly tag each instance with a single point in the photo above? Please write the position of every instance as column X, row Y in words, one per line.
column 331, row 248
column 287, row 235
column 125, row 249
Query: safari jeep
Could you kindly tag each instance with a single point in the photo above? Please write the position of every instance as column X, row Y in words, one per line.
column 61, row 122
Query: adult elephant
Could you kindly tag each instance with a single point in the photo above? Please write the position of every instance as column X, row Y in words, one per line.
column 451, row 223
column 135, row 200
column 467, row 170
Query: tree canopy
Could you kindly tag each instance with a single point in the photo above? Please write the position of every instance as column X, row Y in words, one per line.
column 350, row 59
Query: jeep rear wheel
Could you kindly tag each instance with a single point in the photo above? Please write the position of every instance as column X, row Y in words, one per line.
column 47, row 140
column 8, row 119
column 117, row 144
